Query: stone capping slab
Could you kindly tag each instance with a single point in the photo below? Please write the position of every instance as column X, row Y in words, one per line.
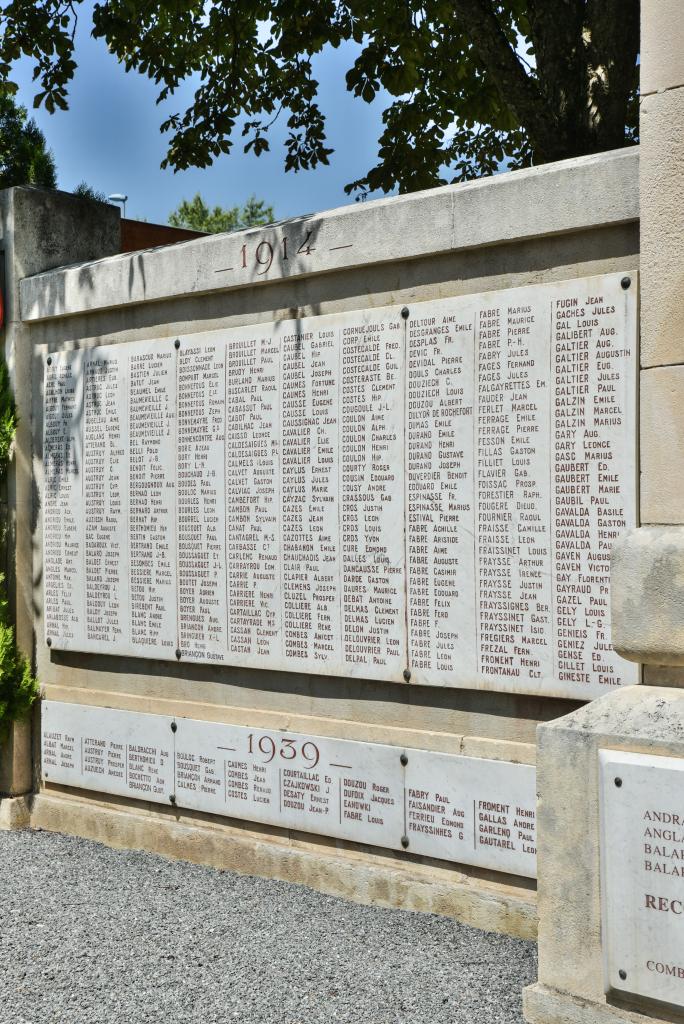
column 571, row 195
column 647, row 595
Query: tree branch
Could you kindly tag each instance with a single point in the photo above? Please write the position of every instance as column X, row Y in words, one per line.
column 518, row 90
column 556, row 34
column 612, row 49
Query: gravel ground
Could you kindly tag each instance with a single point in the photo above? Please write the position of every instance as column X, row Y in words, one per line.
column 89, row 934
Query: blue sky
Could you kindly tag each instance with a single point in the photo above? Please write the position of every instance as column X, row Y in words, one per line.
column 110, row 138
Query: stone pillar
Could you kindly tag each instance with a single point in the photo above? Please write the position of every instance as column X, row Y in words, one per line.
column 648, row 586
column 573, row 983
column 41, row 230
column 602, row 888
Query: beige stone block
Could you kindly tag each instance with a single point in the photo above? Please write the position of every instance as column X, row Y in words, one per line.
column 15, row 813
column 662, row 45
column 16, row 775
column 387, row 880
column 647, row 595
column 586, row 252
column 642, row 719
column 662, row 444
column 542, row 1004
column 663, row 675
column 662, row 228
column 566, row 196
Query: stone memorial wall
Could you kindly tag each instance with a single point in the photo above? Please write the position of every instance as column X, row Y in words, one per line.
column 427, row 493
column 463, row 809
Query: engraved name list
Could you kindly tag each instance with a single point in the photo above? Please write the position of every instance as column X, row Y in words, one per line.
column 427, row 494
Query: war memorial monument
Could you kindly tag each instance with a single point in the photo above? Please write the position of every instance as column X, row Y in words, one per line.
column 350, row 549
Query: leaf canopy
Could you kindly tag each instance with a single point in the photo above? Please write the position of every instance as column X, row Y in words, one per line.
column 24, row 157
column 195, row 215
column 468, row 84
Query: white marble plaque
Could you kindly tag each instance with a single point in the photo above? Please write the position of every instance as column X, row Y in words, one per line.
column 252, row 489
column 201, row 501
column 472, row 810
column 310, row 783
column 642, row 874
column 460, row 809
column 429, row 498
column 63, row 519
column 153, row 509
column 109, row 751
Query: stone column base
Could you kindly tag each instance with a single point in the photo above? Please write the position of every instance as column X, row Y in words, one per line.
column 15, row 813
column 545, row 1005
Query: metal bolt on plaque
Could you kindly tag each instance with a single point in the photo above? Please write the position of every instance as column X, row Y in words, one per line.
column 405, row 312
column 49, row 641
column 172, row 798
column 176, row 343
column 618, row 781
column 174, row 727
column 178, row 653
column 404, row 759
column 49, row 360
column 626, row 282
column 407, row 674
column 404, row 841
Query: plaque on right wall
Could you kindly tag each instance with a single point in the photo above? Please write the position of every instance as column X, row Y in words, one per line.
column 642, row 874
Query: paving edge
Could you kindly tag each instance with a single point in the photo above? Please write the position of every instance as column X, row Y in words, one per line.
column 478, row 902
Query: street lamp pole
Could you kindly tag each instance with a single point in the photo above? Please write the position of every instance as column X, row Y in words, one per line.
column 118, row 197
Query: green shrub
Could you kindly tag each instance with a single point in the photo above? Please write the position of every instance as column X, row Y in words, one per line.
column 18, row 685
column 8, row 422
